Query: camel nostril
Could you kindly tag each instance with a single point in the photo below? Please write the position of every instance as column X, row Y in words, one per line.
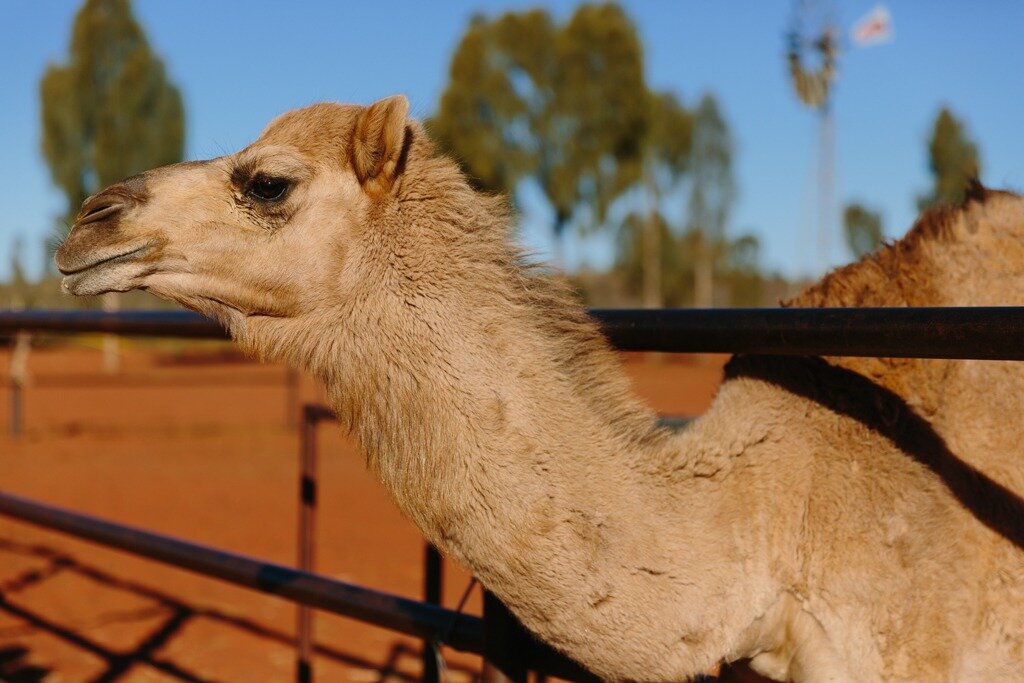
column 98, row 213
column 102, row 206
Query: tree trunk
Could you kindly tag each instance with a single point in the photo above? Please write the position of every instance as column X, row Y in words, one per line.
column 703, row 275
column 651, row 293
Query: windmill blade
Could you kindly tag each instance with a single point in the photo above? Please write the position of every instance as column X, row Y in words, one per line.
column 874, row 28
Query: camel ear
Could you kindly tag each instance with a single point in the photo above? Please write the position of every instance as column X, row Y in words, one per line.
column 379, row 138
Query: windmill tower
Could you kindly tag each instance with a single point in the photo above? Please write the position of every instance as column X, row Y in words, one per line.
column 812, row 55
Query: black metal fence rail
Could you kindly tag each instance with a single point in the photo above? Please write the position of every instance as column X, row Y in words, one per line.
column 430, row 622
column 130, row 323
column 983, row 333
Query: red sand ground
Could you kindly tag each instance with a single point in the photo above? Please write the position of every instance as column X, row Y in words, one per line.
column 198, row 448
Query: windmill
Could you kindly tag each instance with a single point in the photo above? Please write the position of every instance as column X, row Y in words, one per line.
column 812, row 55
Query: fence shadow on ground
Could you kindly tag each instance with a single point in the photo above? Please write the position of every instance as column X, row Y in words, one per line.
column 176, row 613
column 14, row 668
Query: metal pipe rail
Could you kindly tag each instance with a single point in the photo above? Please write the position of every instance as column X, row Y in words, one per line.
column 983, row 333
column 413, row 618
column 130, row 323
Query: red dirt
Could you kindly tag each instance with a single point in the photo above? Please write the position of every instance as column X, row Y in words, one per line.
column 198, row 448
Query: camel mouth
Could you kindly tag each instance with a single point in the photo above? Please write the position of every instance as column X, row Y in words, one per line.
column 103, row 260
column 112, row 273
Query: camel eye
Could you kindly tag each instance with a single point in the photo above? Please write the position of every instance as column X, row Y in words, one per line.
column 267, row 189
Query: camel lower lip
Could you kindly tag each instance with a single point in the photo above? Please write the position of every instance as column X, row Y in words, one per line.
column 117, row 273
column 116, row 258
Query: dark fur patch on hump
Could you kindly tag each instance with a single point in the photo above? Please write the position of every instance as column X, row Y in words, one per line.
column 895, row 275
column 975, row 192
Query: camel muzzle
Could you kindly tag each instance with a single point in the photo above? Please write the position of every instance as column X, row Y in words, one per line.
column 97, row 255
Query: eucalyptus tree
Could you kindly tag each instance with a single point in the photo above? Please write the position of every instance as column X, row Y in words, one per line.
column 862, row 229
column 712, row 193
column 953, row 160
column 110, row 110
column 562, row 105
column 666, row 151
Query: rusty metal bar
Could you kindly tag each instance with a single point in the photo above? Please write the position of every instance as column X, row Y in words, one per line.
column 307, row 542
column 433, row 579
column 505, row 644
column 462, row 632
column 992, row 333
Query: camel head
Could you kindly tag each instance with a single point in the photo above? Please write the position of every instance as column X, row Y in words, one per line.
column 255, row 233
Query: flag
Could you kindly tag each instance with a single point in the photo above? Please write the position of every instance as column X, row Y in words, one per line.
column 874, row 28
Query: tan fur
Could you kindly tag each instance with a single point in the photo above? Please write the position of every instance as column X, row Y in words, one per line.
column 840, row 520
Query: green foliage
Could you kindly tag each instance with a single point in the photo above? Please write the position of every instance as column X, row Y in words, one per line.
column 953, row 161
column 561, row 104
column 740, row 279
column 110, row 111
column 566, row 106
column 633, row 259
column 862, row 229
column 668, row 141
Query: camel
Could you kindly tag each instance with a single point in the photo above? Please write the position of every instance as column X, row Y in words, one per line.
column 826, row 520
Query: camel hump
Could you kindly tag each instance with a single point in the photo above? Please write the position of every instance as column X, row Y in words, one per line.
column 951, row 256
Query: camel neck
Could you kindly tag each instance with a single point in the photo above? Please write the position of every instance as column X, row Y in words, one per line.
column 513, row 443
column 456, row 413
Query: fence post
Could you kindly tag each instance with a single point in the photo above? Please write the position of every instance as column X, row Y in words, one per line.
column 16, row 408
column 505, row 644
column 307, row 520
column 18, row 377
column 433, row 577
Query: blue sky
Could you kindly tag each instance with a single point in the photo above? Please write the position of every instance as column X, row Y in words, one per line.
column 241, row 63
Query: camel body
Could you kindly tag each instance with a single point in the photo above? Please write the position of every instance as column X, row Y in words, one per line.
column 827, row 520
